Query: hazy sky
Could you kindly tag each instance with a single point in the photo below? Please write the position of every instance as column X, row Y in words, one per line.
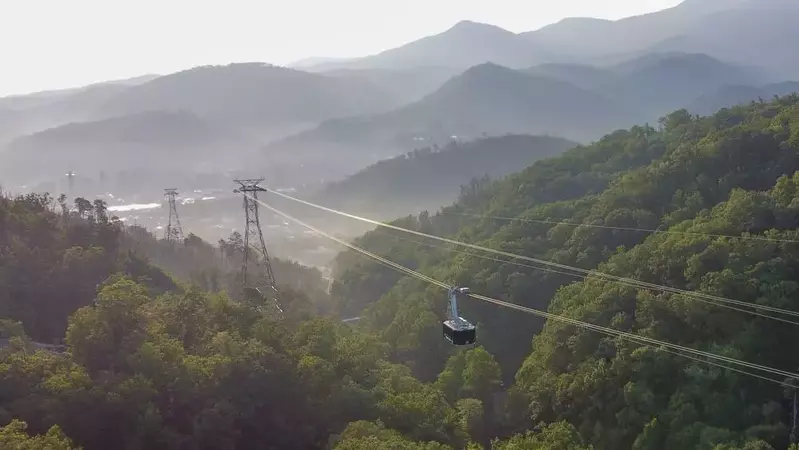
column 47, row 44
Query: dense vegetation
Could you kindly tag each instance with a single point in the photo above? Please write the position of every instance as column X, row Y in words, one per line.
column 51, row 261
column 734, row 173
column 218, row 268
column 157, row 362
column 154, row 362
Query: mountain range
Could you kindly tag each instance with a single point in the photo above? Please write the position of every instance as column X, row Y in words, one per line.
column 577, row 102
column 168, row 140
column 577, row 79
column 731, row 30
column 485, row 100
column 233, row 109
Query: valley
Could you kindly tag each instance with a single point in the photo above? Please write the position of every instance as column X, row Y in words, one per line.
column 581, row 236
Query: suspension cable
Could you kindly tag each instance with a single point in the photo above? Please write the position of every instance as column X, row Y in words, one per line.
column 592, row 273
column 583, row 277
column 555, row 317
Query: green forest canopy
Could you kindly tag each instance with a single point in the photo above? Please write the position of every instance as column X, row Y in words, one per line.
column 154, row 362
column 731, row 173
column 159, row 362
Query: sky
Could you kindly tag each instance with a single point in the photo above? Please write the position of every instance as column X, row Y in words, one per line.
column 53, row 44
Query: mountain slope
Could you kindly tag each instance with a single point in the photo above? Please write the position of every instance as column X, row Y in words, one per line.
column 734, row 174
column 738, row 95
column 44, row 98
column 658, row 83
column 729, row 30
column 464, row 45
column 575, row 39
column 252, row 93
column 486, row 99
column 582, row 75
column 310, row 62
column 742, row 35
column 134, row 334
column 404, row 85
column 26, row 114
column 178, row 140
column 425, row 179
column 637, row 178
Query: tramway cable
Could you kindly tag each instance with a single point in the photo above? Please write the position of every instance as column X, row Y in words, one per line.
column 643, row 340
column 588, row 273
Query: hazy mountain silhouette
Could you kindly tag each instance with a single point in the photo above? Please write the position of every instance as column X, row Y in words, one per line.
column 659, row 83
column 30, row 113
column 578, row 102
column 171, row 140
column 404, row 85
column 464, row 45
column 253, row 94
column 44, row 98
column 730, row 30
column 314, row 61
column 755, row 32
column 579, row 38
column 579, row 78
column 738, row 95
column 487, row 99
column 656, row 84
column 582, row 75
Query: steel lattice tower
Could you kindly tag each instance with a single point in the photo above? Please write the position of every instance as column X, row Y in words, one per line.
column 173, row 229
column 71, row 182
column 254, row 236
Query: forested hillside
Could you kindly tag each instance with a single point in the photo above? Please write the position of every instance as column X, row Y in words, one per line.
column 153, row 362
column 430, row 177
column 51, row 261
column 620, row 196
column 700, row 179
column 218, row 268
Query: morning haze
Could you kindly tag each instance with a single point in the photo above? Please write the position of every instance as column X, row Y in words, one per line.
column 85, row 41
column 438, row 77
column 559, row 159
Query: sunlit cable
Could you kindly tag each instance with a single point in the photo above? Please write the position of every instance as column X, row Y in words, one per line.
column 585, row 277
column 555, row 317
column 593, row 273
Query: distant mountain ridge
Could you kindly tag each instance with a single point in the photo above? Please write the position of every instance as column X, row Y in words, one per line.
column 24, row 114
column 464, row 45
column 168, row 140
column 730, row 96
column 577, row 102
column 266, row 101
column 729, row 30
column 656, row 83
column 579, row 79
column 249, row 92
column 485, row 100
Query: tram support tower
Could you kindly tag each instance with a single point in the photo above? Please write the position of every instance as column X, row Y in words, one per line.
column 253, row 236
column 71, row 183
column 173, row 229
